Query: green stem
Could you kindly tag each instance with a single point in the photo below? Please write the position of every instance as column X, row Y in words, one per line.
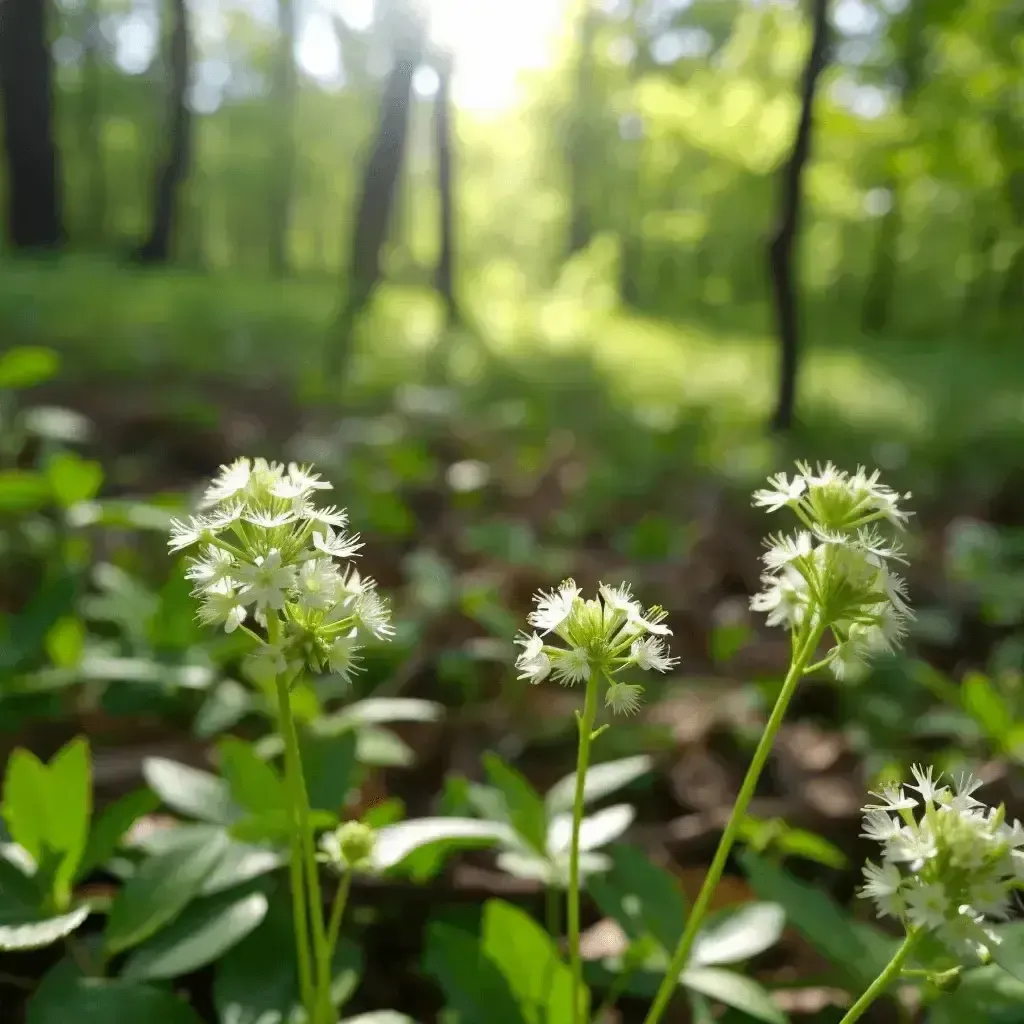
column 618, row 986
column 298, row 883
column 882, row 982
column 804, row 649
column 338, row 911
column 585, row 725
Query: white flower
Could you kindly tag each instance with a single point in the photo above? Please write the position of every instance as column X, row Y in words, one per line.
column 651, row 621
column 266, row 580
column 270, row 519
column 337, row 545
column 342, row 655
column 882, row 884
column 928, row 905
column 926, row 784
column 533, row 663
column 232, row 480
column 619, row 599
column 571, row 666
column 880, row 827
column 893, row 797
column 785, row 599
column 373, row 614
column 186, row 533
column 782, row 491
column 217, row 565
column 221, row 605
column 624, row 698
column 318, row 584
column 298, row 482
column 554, row 608
column 783, row 549
column 331, row 515
column 651, row 653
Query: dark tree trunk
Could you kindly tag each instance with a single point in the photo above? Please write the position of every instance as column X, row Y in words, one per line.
column 784, row 237
column 376, row 198
column 581, row 225
column 174, row 170
column 443, row 137
column 26, row 81
column 92, row 127
column 881, row 285
column 282, row 156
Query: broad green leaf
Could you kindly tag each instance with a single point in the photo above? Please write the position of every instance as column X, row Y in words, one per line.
column 985, row 705
column 380, row 711
column 20, row 898
column 735, row 935
column 276, row 826
column 601, row 780
column 643, row 898
column 189, row 791
column 241, row 863
column 381, row 748
column 22, row 490
column 824, row 924
column 111, row 826
column 160, row 890
column 37, row 934
column 253, row 783
column 24, row 366
column 396, row 842
column 329, row 767
column 596, row 831
column 986, row 995
column 526, row 955
column 69, row 809
column 65, row 642
column 225, row 705
column 1009, row 952
column 26, row 803
column 202, row 933
column 473, row 985
column 733, row 990
column 525, row 810
column 65, row 994
column 73, row 479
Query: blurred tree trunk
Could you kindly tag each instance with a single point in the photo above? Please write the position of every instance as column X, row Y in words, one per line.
column 631, row 146
column 878, row 294
column 282, row 155
column 380, row 181
column 785, row 235
column 443, row 136
column 91, row 124
column 581, row 226
column 34, row 208
column 174, row 170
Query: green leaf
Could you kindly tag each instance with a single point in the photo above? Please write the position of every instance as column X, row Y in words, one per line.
column 276, row 826
column 73, row 479
column 396, row 842
column 20, row 898
column 68, row 810
column 601, row 780
column 525, row 810
column 22, row 490
column 65, row 642
column 66, row 994
column 824, row 924
column 525, row 954
column 37, row 934
column 225, row 705
column 24, row 366
column 733, row 990
column 160, row 890
column 253, row 783
column 379, row 711
column 329, row 763
column 111, row 827
column 189, row 791
column 643, row 898
column 26, row 788
column 986, row 994
column 381, row 748
column 1009, row 952
column 202, row 933
column 984, row 704
column 596, row 830
column 241, row 863
column 473, row 985
column 739, row 934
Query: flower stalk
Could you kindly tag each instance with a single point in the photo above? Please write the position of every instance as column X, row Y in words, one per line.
column 890, row 973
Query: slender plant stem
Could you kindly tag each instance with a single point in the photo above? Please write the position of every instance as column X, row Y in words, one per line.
column 882, row 982
column 296, row 872
column 617, row 987
column 804, row 648
column 585, row 725
column 321, row 954
column 338, row 911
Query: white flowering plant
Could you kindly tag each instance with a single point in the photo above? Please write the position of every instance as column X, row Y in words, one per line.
column 274, row 564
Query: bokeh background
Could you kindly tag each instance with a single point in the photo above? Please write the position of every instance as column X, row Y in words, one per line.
column 545, row 287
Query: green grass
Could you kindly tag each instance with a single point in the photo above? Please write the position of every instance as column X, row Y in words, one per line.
column 944, row 401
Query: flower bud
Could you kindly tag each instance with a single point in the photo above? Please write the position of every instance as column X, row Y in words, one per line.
column 350, row 845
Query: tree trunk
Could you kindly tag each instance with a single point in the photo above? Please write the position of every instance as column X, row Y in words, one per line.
column 174, row 170
column 376, row 197
column 282, row 156
column 784, row 237
column 91, row 125
column 34, row 213
column 581, row 225
column 445, row 277
column 880, row 289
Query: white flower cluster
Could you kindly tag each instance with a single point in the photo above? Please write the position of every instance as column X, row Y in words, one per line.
column 268, row 555
column 836, row 569
column 606, row 636
column 949, row 863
